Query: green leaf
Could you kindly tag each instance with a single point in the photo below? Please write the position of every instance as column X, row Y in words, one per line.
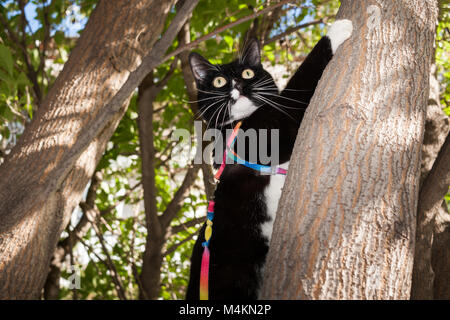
column 6, row 60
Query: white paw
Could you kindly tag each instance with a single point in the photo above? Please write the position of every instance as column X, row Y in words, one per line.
column 339, row 31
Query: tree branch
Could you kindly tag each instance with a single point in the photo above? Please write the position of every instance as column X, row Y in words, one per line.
column 178, row 244
column 84, row 225
column 176, row 24
column 175, row 204
column 160, row 85
column 184, row 226
column 194, row 43
column 110, row 264
column 435, row 185
column 107, row 265
column 46, row 26
column 292, row 30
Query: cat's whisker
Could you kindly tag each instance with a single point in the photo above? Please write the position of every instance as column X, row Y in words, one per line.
column 210, row 92
column 222, row 107
column 228, row 109
column 270, row 103
column 207, row 108
column 212, row 117
column 265, row 86
column 217, row 117
column 262, row 84
column 296, row 90
column 271, row 89
column 229, row 112
column 274, row 102
column 262, row 81
column 274, row 87
column 283, row 97
column 224, row 114
column 205, row 99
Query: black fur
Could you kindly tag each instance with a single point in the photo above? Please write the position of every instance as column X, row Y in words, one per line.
column 238, row 248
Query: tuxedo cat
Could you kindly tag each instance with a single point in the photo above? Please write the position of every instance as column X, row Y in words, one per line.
column 246, row 200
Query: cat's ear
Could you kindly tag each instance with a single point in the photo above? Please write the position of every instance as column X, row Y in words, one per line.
column 199, row 66
column 252, row 53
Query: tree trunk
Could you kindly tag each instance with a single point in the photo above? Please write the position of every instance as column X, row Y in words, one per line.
column 440, row 254
column 346, row 221
column 153, row 258
column 43, row 178
column 434, row 220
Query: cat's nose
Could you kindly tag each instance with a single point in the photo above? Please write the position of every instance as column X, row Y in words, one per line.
column 237, row 89
column 237, row 85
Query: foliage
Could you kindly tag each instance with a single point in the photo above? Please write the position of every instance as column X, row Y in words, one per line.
column 33, row 49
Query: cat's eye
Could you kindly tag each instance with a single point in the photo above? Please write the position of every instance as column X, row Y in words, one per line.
column 248, row 74
column 219, row 82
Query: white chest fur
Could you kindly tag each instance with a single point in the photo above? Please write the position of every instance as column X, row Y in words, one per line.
column 272, row 195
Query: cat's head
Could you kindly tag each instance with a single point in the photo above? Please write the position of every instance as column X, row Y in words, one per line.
column 231, row 92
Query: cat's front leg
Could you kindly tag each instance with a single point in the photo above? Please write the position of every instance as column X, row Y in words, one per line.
column 303, row 83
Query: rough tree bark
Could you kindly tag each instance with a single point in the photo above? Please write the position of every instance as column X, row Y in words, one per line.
column 43, row 178
column 440, row 254
column 432, row 223
column 345, row 225
column 156, row 235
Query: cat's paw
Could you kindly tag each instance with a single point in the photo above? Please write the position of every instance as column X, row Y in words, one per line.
column 339, row 31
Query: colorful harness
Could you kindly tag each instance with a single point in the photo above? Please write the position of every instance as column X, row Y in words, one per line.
column 229, row 152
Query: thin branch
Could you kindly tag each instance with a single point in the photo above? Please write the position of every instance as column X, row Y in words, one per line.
column 17, row 113
column 178, row 244
column 110, row 264
column 160, row 85
column 46, row 26
column 176, row 24
column 84, row 225
column 437, row 182
column 194, row 43
column 120, row 199
column 138, row 281
column 175, row 204
column 72, row 263
column 23, row 21
column 91, row 250
column 169, row 147
column 132, row 261
column 186, row 225
column 303, row 40
column 160, row 108
column 292, row 30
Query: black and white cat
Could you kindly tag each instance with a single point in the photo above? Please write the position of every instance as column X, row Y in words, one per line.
column 245, row 200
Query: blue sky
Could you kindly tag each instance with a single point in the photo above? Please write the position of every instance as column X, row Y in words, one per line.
column 73, row 23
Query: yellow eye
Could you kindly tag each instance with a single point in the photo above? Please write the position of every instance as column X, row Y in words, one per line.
column 219, row 82
column 248, row 74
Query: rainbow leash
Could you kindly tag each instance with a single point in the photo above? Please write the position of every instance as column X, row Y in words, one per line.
column 229, row 152
column 204, row 273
